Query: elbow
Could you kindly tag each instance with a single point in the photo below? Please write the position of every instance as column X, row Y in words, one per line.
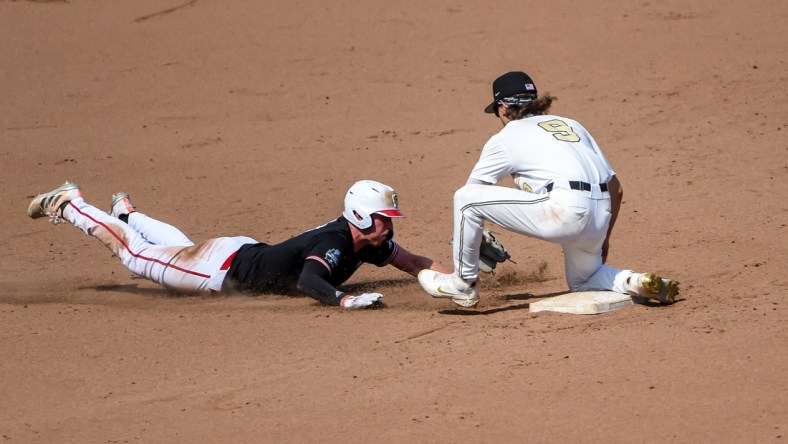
column 303, row 285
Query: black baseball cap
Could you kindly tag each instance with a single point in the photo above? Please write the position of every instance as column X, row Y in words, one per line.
column 510, row 84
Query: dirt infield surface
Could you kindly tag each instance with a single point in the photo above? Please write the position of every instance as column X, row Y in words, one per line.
column 253, row 118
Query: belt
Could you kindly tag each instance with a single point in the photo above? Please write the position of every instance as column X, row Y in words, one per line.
column 578, row 185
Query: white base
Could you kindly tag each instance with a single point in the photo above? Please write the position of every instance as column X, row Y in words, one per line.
column 583, row 302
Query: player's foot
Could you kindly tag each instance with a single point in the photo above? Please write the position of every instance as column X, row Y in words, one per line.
column 449, row 286
column 651, row 286
column 51, row 204
column 121, row 204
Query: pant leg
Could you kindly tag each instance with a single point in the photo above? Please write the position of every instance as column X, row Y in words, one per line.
column 585, row 271
column 181, row 268
column 552, row 217
column 583, row 254
column 605, row 277
column 157, row 232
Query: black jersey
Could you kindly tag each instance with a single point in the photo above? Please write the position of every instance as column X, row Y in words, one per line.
column 314, row 262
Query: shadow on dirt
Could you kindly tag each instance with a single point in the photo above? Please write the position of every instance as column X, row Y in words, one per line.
column 512, row 297
column 372, row 285
column 137, row 290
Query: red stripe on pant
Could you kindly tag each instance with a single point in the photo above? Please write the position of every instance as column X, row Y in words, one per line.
column 228, row 262
column 138, row 256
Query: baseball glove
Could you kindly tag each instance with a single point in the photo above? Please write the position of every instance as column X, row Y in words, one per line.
column 491, row 252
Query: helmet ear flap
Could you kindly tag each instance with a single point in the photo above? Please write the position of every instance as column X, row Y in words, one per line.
column 355, row 214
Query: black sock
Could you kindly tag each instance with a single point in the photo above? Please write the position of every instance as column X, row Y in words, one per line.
column 62, row 207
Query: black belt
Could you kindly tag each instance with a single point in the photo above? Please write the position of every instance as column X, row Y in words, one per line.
column 578, row 185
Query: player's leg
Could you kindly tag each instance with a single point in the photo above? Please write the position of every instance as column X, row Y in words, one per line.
column 583, row 253
column 536, row 215
column 512, row 209
column 585, row 271
column 158, row 232
column 196, row 268
column 201, row 267
column 154, row 231
column 158, row 263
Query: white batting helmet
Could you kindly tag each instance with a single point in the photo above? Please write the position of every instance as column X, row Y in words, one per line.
column 368, row 197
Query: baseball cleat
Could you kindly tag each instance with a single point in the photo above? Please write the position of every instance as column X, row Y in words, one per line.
column 121, row 204
column 449, row 286
column 651, row 286
column 51, row 204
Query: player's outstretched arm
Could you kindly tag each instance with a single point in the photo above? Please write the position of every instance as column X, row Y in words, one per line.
column 314, row 283
column 412, row 263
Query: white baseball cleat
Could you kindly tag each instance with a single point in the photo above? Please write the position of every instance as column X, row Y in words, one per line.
column 51, row 204
column 449, row 286
column 651, row 286
column 121, row 204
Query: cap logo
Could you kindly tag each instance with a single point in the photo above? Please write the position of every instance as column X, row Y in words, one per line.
column 529, row 86
column 392, row 197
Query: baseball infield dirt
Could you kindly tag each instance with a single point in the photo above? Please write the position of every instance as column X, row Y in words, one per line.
column 253, row 118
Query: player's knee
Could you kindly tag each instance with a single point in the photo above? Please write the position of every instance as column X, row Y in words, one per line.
column 463, row 196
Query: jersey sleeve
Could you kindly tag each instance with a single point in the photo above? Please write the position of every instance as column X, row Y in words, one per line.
column 313, row 281
column 494, row 163
column 319, row 263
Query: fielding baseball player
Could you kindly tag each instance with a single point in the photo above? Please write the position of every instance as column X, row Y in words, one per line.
column 314, row 262
column 567, row 193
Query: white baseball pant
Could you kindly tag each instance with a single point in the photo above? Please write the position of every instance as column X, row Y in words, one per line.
column 158, row 251
column 577, row 220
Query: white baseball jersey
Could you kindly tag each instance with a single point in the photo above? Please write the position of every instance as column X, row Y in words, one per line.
column 540, row 149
